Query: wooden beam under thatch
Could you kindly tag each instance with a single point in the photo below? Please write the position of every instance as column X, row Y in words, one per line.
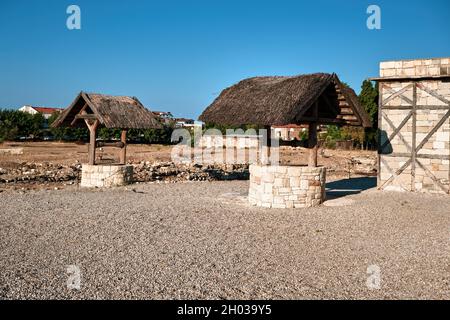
column 268, row 101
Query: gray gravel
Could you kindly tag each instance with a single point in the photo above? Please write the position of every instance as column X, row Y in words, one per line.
column 201, row 240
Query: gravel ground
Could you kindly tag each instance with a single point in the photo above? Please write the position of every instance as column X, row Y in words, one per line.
column 201, row 240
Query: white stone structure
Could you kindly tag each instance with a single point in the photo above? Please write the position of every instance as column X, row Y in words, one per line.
column 230, row 141
column 45, row 111
column 414, row 122
column 286, row 187
column 105, row 176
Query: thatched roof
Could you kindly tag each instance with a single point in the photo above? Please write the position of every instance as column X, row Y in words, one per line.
column 287, row 100
column 111, row 111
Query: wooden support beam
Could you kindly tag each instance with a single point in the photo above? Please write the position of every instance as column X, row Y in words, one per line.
column 92, row 126
column 101, row 144
column 397, row 173
column 432, row 177
column 83, row 115
column 380, row 110
column 123, row 151
column 418, row 155
column 434, row 94
column 86, row 116
column 433, row 131
column 312, row 137
column 396, row 130
column 265, row 145
column 392, row 173
column 413, row 143
column 323, row 120
column 398, row 94
column 418, row 107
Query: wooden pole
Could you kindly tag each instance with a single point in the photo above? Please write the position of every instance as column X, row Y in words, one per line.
column 414, row 142
column 123, row 151
column 380, row 149
column 269, row 142
column 312, row 140
column 312, row 137
column 92, row 137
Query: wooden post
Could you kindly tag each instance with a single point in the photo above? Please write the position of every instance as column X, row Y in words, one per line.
column 123, row 151
column 380, row 149
column 413, row 142
column 312, row 138
column 92, row 137
column 269, row 141
column 265, row 146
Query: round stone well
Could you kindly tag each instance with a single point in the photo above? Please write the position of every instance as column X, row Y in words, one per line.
column 106, row 176
column 286, row 186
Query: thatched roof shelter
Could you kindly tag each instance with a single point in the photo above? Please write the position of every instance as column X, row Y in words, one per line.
column 111, row 111
column 268, row 101
column 119, row 112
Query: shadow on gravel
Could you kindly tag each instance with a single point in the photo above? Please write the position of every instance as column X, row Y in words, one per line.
column 346, row 187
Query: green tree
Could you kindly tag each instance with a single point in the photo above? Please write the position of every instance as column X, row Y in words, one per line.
column 36, row 125
column 369, row 101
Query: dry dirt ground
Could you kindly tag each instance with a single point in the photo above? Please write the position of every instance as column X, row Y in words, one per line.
column 50, row 159
column 202, row 240
column 68, row 153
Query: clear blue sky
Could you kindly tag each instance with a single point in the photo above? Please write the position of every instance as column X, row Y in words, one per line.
column 178, row 55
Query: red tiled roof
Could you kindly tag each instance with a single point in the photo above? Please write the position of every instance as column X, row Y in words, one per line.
column 47, row 110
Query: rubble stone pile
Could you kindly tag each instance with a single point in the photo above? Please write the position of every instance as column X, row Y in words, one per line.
column 142, row 172
column 169, row 171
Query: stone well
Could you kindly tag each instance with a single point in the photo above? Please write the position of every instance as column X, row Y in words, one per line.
column 106, row 175
column 286, row 186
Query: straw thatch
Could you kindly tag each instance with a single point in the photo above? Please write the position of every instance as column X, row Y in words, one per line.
column 270, row 101
column 112, row 111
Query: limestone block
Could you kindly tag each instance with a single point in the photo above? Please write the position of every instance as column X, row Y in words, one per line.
column 292, row 187
column 387, row 65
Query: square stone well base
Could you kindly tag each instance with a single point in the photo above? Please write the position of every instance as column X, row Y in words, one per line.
column 286, row 186
column 106, row 175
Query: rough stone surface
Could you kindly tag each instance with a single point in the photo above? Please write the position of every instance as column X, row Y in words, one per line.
column 144, row 171
column 415, row 68
column 11, row 151
column 105, row 176
column 286, row 187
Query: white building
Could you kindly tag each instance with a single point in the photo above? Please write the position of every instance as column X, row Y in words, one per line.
column 46, row 112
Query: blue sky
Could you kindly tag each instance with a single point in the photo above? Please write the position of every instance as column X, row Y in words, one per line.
column 179, row 55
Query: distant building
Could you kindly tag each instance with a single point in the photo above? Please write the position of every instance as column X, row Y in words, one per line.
column 46, row 112
column 184, row 123
column 165, row 117
column 289, row 132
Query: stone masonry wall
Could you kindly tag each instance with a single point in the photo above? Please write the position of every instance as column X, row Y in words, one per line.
column 286, row 186
column 106, row 175
column 415, row 68
column 434, row 156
